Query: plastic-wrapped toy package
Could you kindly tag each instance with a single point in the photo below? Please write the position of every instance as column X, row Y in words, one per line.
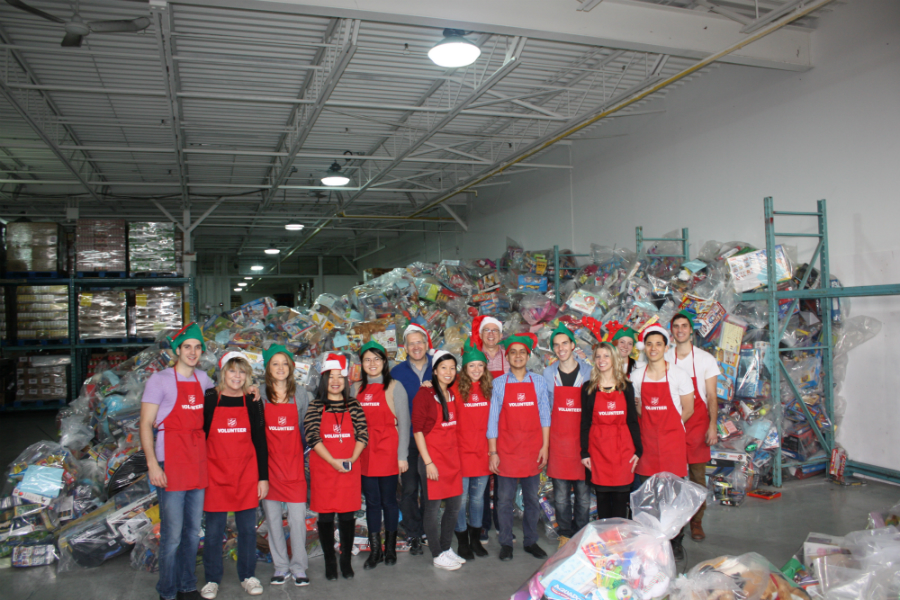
column 617, row 558
column 887, row 518
column 746, row 577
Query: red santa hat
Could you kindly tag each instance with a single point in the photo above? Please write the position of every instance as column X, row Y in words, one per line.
column 335, row 362
column 478, row 324
column 414, row 328
column 654, row 329
column 231, row 355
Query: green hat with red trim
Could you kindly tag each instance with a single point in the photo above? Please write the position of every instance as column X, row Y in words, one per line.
column 270, row 352
column 529, row 340
column 191, row 331
column 625, row 332
column 683, row 313
column 562, row 329
column 472, row 354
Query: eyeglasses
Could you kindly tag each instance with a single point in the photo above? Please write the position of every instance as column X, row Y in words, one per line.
column 373, row 361
column 491, row 332
column 415, row 344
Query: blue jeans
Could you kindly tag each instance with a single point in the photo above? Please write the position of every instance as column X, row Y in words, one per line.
column 562, row 504
column 179, row 539
column 381, row 495
column 214, row 544
column 506, row 497
column 473, row 491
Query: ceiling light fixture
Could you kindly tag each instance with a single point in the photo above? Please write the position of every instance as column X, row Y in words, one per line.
column 248, row 278
column 256, row 268
column 454, row 50
column 294, row 226
column 272, row 250
column 242, row 284
column 238, row 290
column 334, row 177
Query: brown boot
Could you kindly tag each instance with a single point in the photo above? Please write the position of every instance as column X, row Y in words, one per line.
column 697, row 531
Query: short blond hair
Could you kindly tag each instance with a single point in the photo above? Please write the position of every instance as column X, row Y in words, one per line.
column 236, row 364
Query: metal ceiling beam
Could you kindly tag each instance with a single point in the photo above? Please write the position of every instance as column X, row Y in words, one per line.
column 636, row 26
column 772, row 16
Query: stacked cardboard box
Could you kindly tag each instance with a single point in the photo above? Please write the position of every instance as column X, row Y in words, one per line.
column 42, row 312
column 152, row 310
column 151, row 248
column 100, row 245
column 42, row 378
column 34, row 247
column 102, row 314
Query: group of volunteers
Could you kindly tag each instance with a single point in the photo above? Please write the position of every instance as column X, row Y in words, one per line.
column 456, row 439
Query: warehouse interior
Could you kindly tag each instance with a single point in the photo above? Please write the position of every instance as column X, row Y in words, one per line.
column 579, row 121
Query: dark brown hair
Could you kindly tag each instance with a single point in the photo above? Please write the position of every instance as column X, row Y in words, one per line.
column 270, row 381
column 465, row 384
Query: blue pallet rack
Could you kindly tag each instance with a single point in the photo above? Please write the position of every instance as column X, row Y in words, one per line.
column 771, row 295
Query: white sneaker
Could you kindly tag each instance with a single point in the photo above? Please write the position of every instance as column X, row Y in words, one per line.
column 444, row 561
column 252, row 586
column 210, row 590
column 453, row 555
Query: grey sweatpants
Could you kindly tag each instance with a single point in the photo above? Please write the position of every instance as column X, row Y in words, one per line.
column 299, row 561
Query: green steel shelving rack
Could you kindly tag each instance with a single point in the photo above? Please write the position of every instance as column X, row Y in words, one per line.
column 74, row 347
column 827, row 294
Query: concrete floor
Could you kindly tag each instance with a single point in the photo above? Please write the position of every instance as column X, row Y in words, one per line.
column 775, row 529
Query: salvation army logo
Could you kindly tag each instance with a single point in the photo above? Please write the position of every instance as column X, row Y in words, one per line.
column 368, row 397
column 475, row 398
column 336, row 428
column 654, row 401
column 570, row 402
column 232, row 422
column 451, row 415
column 192, row 399
column 282, row 420
column 611, row 405
column 520, row 397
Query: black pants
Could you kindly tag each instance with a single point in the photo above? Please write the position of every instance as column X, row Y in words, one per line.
column 411, row 484
column 439, row 528
column 612, row 504
column 490, row 508
column 329, row 517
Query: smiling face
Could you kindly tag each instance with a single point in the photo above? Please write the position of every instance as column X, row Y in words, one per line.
column 280, row 367
column 475, row 370
column 603, row 359
column 655, row 347
column 234, row 380
column 517, row 355
column 625, row 345
column 336, row 383
column 490, row 335
column 189, row 352
column 416, row 346
column 681, row 329
column 372, row 363
column 445, row 371
column 563, row 346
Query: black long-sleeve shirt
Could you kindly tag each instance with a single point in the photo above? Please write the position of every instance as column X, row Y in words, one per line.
column 587, row 417
column 255, row 411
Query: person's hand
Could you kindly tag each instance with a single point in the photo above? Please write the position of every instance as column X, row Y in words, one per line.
column 426, row 384
column 494, row 463
column 431, row 472
column 580, row 354
column 338, row 466
column 262, row 489
column 254, row 393
column 403, row 466
column 587, row 463
column 157, row 476
column 712, row 435
column 634, row 462
column 542, row 456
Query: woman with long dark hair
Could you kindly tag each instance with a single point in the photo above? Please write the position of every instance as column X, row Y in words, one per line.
column 335, row 429
column 434, row 429
column 380, row 463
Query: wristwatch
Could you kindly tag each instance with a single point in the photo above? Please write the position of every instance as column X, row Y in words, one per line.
column 492, row 453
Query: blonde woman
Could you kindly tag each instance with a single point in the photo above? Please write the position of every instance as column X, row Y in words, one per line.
column 610, row 434
column 238, row 463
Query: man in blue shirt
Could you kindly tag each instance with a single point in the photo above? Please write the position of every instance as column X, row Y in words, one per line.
column 518, row 442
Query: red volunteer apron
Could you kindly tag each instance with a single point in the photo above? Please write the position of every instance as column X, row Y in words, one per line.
column 697, row 426
column 610, row 445
column 379, row 458
column 564, row 461
column 233, row 473
column 287, row 481
column 332, row 491
column 662, row 432
column 184, row 443
column 443, row 449
column 519, row 433
column 472, row 433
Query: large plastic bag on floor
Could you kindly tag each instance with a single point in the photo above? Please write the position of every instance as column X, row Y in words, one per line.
column 746, row 577
column 887, row 518
column 618, row 558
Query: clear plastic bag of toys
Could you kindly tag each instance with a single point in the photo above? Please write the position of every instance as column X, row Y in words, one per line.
column 887, row 518
column 746, row 577
column 618, row 558
column 537, row 308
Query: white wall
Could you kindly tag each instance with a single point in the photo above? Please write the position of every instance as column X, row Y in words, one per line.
column 725, row 141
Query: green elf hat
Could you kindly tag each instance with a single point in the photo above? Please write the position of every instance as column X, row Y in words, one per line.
column 683, row 313
column 472, row 354
column 274, row 349
column 529, row 340
column 563, row 330
column 191, row 331
column 625, row 332
column 372, row 345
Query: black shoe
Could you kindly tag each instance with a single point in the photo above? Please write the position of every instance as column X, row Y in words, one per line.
column 347, row 529
column 326, row 540
column 192, row 595
column 415, row 546
column 463, row 548
column 506, row 553
column 303, row 581
column 390, row 547
column 677, row 548
column 375, row 555
column 423, row 540
column 475, row 542
column 536, row 551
